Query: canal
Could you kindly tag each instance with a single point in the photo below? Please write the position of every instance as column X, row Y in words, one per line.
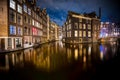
column 60, row 61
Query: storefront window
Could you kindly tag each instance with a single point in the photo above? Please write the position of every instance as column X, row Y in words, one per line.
column 18, row 42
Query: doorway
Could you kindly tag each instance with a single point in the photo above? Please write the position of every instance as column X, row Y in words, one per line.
column 2, row 44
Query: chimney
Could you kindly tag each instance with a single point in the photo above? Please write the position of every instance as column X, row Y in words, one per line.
column 100, row 12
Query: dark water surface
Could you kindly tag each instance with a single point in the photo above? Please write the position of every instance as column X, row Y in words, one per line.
column 60, row 61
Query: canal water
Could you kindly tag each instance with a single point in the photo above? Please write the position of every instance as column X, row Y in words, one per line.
column 60, row 61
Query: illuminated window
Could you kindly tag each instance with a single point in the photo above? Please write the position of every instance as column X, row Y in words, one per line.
column 67, row 34
column 35, row 31
column 76, row 33
column 89, row 33
column 19, row 9
column 80, row 25
column 80, row 20
column 12, row 16
column 89, row 26
column 80, row 33
column 33, row 23
column 29, row 11
column 69, row 26
column 12, row 30
column 25, row 8
column 18, row 42
column 84, row 33
column 84, row 26
column 69, row 20
column 19, row 31
column 12, row 4
column 76, row 25
column 70, row 33
column 19, row 19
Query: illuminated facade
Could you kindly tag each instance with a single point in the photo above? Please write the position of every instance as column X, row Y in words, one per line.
column 54, row 31
column 81, row 28
column 109, row 29
column 60, row 33
column 106, row 29
column 24, row 24
column 48, row 28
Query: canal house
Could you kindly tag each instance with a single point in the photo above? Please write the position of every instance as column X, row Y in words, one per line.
column 81, row 28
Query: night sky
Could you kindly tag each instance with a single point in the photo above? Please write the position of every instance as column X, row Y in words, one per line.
column 58, row 9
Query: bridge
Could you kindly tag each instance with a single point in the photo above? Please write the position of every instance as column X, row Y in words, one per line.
column 111, row 38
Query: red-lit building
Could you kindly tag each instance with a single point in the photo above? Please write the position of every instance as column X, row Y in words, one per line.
column 22, row 24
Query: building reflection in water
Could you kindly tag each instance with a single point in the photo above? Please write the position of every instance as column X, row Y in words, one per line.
column 101, row 52
column 76, row 54
column 53, row 56
column 4, row 62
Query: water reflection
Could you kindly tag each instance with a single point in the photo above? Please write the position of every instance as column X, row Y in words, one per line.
column 54, row 56
column 4, row 62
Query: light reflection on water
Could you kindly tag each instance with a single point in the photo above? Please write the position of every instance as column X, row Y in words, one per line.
column 54, row 56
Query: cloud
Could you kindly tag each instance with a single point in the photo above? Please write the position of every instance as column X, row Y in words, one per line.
column 57, row 9
column 56, row 15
